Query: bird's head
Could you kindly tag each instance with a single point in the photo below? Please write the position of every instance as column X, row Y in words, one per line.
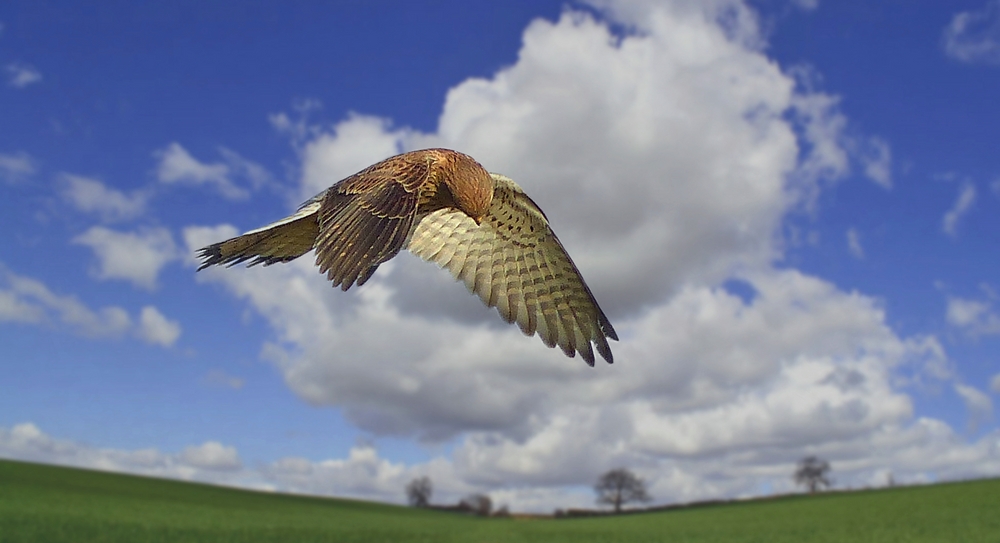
column 471, row 186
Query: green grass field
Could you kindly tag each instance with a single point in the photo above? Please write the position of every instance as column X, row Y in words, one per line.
column 53, row 504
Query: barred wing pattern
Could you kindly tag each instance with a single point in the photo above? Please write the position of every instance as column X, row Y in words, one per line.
column 280, row 241
column 365, row 219
column 514, row 262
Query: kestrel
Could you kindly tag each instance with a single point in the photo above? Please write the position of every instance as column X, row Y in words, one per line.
column 444, row 207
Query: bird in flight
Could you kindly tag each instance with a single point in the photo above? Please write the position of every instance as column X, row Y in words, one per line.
column 444, row 207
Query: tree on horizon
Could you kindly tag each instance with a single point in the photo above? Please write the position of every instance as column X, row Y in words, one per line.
column 479, row 504
column 812, row 472
column 419, row 491
column 620, row 486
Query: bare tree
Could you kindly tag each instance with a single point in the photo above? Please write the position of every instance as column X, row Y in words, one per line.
column 418, row 492
column 480, row 504
column 812, row 473
column 620, row 486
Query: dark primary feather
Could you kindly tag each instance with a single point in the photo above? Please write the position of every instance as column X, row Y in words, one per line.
column 365, row 219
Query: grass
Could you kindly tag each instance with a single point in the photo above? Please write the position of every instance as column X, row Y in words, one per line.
column 54, row 504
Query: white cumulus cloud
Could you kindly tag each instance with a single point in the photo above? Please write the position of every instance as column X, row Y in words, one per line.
column 351, row 146
column 667, row 160
column 93, row 196
column 136, row 257
column 178, row 166
column 209, row 462
column 974, row 36
column 27, row 300
column 363, row 473
column 211, row 455
column 975, row 317
column 157, row 329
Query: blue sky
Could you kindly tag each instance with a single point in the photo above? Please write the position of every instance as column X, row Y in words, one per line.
column 788, row 209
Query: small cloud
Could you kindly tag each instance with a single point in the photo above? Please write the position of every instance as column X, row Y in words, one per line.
column 946, row 177
column 133, row 256
column 807, row 5
column 995, row 383
column 211, row 455
column 974, row 36
column 854, row 243
column 976, row 317
column 979, row 405
column 157, row 329
column 14, row 308
column 177, row 166
column 966, row 197
column 251, row 171
column 92, row 196
column 297, row 129
column 16, row 167
column 832, row 148
column 210, row 461
column 221, row 378
column 876, row 159
column 27, row 300
column 21, row 75
column 824, row 127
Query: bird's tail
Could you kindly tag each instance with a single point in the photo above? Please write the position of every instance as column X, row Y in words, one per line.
column 280, row 241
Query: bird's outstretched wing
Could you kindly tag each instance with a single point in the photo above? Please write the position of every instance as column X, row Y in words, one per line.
column 280, row 241
column 365, row 219
column 514, row 262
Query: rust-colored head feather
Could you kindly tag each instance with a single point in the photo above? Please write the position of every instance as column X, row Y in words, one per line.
column 470, row 184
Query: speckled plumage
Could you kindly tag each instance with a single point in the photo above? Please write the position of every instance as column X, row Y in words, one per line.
column 445, row 208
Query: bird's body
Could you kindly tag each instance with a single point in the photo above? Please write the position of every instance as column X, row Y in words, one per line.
column 446, row 208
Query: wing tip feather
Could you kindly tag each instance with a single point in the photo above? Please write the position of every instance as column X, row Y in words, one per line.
column 209, row 255
column 605, row 350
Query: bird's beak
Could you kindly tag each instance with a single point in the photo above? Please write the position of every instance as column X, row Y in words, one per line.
column 479, row 220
